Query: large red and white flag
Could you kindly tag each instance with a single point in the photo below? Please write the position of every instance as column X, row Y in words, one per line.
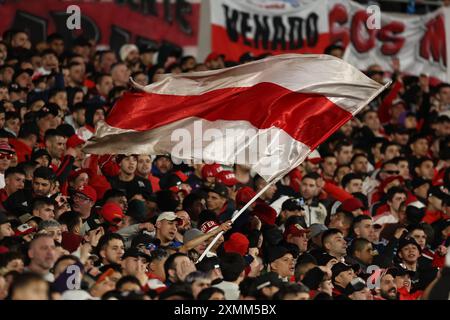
column 268, row 114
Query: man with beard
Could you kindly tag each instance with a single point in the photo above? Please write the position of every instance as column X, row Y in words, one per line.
column 162, row 165
column 20, row 201
column 144, row 168
column 388, row 288
column 42, row 254
column 129, row 53
column 127, row 181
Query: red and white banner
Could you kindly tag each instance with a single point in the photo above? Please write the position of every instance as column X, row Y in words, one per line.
column 113, row 22
column 268, row 114
column 309, row 26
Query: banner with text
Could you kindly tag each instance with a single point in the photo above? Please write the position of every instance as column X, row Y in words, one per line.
column 307, row 26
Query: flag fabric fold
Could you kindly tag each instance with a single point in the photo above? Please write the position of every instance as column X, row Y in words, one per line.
column 268, row 114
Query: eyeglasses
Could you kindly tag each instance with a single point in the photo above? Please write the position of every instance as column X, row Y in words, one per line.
column 8, row 156
column 392, row 171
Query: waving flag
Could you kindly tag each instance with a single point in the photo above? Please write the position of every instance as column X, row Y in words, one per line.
column 268, row 114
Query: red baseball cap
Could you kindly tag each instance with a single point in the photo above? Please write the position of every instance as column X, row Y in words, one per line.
column 265, row 213
column 214, row 56
column 227, row 177
column 211, row 170
column 244, row 195
column 237, row 243
column 74, row 141
column 112, row 212
column 352, row 204
column 88, row 191
column 295, row 230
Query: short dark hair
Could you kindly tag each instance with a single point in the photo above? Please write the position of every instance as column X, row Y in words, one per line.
column 42, row 201
column 105, row 239
column 349, row 177
column 70, row 219
column 13, row 170
column 357, row 155
column 311, row 175
column 170, row 262
column 44, row 173
column 393, row 191
column 113, row 193
column 50, row 133
column 27, row 130
column 232, row 264
column 358, row 219
column 127, row 279
column 190, row 199
column 358, row 244
column 328, row 233
column 341, row 144
column 290, row 288
column 386, row 145
column 207, row 293
column 23, row 280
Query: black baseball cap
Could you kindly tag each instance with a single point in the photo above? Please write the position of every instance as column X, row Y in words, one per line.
column 341, row 267
column 355, row 285
column 406, row 241
column 277, row 252
column 399, row 272
column 135, row 253
column 220, row 189
column 292, row 204
column 268, row 279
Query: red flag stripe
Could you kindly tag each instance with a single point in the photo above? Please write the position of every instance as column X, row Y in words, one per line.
column 309, row 118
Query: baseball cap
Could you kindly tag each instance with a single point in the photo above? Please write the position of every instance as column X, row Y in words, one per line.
column 5, row 147
column 191, row 234
column 227, row 178
column 315, row 229
column 135, row 253
column 169, row 181
column 407, row 241
column 220, row 189
column 237, row 243
column 351, row 204
column 341, row 267
column 211, row 170
column 49, row 108
column 398, row 271
column 295, row 230
column 168, row 215
column 355, row 285
column 314, row 157
column 74, row 141
column 244, row 195
column 438, row 192
column 276, row 252
column 417, row 182
column 112, row 212
column 25, row 218
column 293, row 204
column 266, row 280
column 88, row 191
column 137, row 210
column 214, row 56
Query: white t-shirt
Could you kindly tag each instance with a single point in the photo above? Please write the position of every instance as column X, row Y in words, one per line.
column 2, row 180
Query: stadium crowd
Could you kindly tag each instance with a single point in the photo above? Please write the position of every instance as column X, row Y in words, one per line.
column 366, row 216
